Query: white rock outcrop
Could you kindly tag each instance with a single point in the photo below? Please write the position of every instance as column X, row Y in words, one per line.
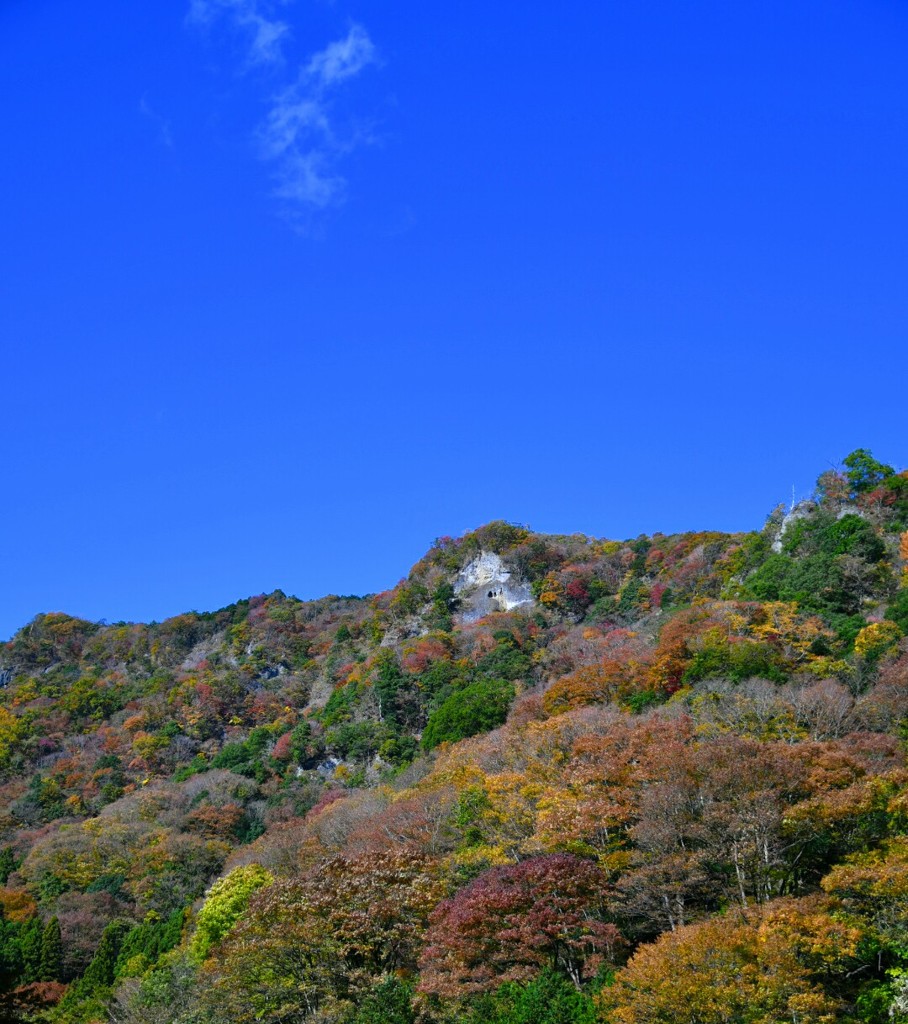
column 485, row 586
column 803, row 510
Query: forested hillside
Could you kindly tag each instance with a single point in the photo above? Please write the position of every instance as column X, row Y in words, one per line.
column 542, row 780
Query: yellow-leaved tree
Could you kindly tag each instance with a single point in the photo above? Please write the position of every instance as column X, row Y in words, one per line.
column 225, row 904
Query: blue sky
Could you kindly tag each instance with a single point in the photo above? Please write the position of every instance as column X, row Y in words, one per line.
column 289, row 289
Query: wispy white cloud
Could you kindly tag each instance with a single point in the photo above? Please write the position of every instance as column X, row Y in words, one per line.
column 342, row 59
column 164, row 134
column 305, row 181
column 293, row 117
column 266, row 34
column 300, row 135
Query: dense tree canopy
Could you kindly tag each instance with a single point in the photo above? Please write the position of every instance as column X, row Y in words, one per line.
column 666, row 782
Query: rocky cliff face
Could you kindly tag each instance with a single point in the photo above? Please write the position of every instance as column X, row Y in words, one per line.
column 485, row 585
column 803, row 510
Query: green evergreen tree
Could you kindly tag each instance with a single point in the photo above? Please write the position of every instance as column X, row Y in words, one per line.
column 51, row 961
column 171, row 931
column 897, row 611
column 548, row 999
column 150, row 939
column 86, row 999
column 8, row 864
column 387, row 1003
column 476, row 708
column 30, row 950
column 102, row 970
column 10, row 953
column 863, row 472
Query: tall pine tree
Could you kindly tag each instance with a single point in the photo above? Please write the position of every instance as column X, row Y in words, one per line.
column 30, row 945
column 51, row 966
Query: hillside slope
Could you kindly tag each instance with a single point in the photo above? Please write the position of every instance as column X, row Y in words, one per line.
column 542, row 779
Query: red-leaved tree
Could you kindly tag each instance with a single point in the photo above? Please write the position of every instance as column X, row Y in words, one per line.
column 512, row 922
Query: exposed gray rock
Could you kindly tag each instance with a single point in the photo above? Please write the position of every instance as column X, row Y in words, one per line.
column 803, row 510
column 486, row 585
column 326, row 767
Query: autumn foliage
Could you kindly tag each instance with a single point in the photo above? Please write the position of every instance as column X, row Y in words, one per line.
column 670, row 784
column 512, row 922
